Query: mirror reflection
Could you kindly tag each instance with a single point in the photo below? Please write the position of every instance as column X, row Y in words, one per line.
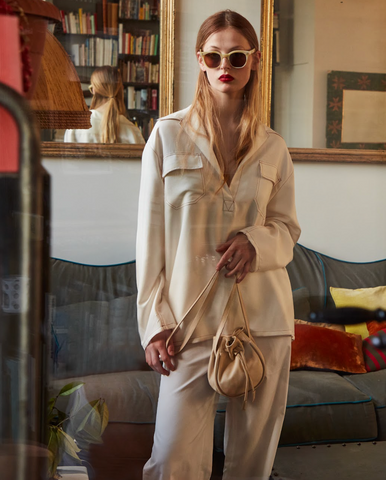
column 313, row 38
column 125, row 35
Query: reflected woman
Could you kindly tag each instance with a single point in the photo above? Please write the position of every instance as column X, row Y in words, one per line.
column 108, row 121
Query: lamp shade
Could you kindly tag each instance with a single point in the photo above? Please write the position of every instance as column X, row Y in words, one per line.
column 58, row 100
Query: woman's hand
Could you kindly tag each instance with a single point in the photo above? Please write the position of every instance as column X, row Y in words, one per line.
column 157, row 354
column 238, row 255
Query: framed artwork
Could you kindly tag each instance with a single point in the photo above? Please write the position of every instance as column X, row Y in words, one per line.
column 356, row 110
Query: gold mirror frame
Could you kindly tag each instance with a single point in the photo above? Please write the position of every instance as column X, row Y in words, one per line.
column 166, row 91
column 328, row 155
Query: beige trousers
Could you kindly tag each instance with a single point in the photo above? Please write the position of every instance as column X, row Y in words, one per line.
column 183, row 439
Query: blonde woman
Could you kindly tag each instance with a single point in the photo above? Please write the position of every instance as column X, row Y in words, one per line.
column 108, row 121
column 217, row 193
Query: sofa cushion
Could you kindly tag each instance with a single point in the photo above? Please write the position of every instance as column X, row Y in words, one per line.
column 370, row 298
column 131, row 397
column 324, row 407
column 74, row 282
column 301, row 301
column 97, row 337
column 374, row 385
column 321, row 348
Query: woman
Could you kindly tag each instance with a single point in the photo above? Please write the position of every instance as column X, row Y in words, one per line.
column 217, row 192
column 108, row 121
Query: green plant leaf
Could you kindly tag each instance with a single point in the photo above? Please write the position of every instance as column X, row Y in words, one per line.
column 51, row 404
column 70, row 388
column 55, row 452
column 69, row 445
column 104, row 414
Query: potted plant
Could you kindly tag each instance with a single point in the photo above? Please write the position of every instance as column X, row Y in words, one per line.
column 72, row 431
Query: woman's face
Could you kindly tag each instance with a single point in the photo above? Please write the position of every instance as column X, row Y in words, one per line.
column 225, row 79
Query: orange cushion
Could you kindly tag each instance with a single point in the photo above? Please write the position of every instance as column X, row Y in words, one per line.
column 319, row 348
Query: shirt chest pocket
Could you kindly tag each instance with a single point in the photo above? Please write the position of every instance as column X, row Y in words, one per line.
column 268, row 178
column 184, row 180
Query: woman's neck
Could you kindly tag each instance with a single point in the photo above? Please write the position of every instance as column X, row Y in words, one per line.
column 229, row 113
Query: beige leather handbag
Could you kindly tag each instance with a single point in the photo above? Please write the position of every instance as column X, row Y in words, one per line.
column 236, row 365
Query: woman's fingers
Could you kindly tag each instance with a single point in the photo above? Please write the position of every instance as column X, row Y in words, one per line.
column 237, row 257
column 158, row 356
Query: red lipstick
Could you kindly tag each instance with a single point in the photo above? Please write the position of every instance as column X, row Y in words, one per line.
column 226, row 78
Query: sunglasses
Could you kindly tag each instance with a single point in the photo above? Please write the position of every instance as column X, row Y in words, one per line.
column 237, row 58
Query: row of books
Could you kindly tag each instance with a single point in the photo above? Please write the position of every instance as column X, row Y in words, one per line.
column 139, row 72
column 139, row 9
column 143, row 99
column 146, row 125
column 131, row 44
column 105, row 20
column 95, row 52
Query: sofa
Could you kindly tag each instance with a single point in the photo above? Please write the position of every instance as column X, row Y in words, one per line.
column 95, row 340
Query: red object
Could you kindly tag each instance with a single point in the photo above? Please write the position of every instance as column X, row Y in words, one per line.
column 11, row 75
column 321, row 348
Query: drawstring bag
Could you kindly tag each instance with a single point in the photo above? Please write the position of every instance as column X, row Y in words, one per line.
column 236, row 365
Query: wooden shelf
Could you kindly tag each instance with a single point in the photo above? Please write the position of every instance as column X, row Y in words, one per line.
column 134, row 56
column 140, row 84
column 135, row 111
column 152, row 20
column 99, row 35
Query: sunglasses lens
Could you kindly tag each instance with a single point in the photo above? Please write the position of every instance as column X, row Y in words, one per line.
column 238, row 59
column 212, row 60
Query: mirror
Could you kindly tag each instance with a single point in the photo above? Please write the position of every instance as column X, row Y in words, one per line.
column 165, row 93
column 310, row 46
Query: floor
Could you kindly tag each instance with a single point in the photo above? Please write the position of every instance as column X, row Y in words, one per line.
column 351, row 461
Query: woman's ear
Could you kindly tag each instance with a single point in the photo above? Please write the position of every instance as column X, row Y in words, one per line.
column 201, row 62
column 255, row 60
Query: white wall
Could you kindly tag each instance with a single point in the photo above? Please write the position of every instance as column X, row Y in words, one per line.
column 94, row 210
column 341, row 209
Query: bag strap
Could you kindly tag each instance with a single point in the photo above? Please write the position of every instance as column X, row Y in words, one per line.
column 193, row 324
column 226, row 314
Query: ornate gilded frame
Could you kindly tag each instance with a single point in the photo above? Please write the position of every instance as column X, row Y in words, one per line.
column 166, row 96
column 328, row 155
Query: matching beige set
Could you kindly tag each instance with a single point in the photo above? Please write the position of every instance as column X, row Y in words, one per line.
column 185, row 212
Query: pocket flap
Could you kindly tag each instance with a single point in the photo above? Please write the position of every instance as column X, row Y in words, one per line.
column 270, row 172
column 181, row 162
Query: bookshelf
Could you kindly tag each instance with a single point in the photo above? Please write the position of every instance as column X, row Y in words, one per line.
column 123, row 33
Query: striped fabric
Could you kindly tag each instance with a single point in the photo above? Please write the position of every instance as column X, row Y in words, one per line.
column 375, row 358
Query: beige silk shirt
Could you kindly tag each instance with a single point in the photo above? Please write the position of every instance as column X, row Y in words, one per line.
column 186, row 212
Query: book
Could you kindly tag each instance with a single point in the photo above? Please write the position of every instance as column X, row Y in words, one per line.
column 154, row 99
column 80, row 21
column 104, row 10
column 130, row 98
column 114, row 18
column 75, row 54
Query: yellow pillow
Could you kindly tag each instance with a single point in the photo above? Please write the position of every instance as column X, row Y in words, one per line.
column 370, row 298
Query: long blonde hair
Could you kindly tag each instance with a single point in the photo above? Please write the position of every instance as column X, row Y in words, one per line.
column 203, row 103
column 108, row 87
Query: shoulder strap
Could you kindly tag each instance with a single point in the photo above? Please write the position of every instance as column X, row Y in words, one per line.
column 193, row 324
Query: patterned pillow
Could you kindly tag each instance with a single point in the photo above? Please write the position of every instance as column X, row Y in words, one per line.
column 375, row 358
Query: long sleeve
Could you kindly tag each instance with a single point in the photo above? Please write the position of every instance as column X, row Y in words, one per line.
column 154, row 313
column 274, row 241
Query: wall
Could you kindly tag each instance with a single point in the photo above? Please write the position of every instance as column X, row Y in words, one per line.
column 94, row 209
